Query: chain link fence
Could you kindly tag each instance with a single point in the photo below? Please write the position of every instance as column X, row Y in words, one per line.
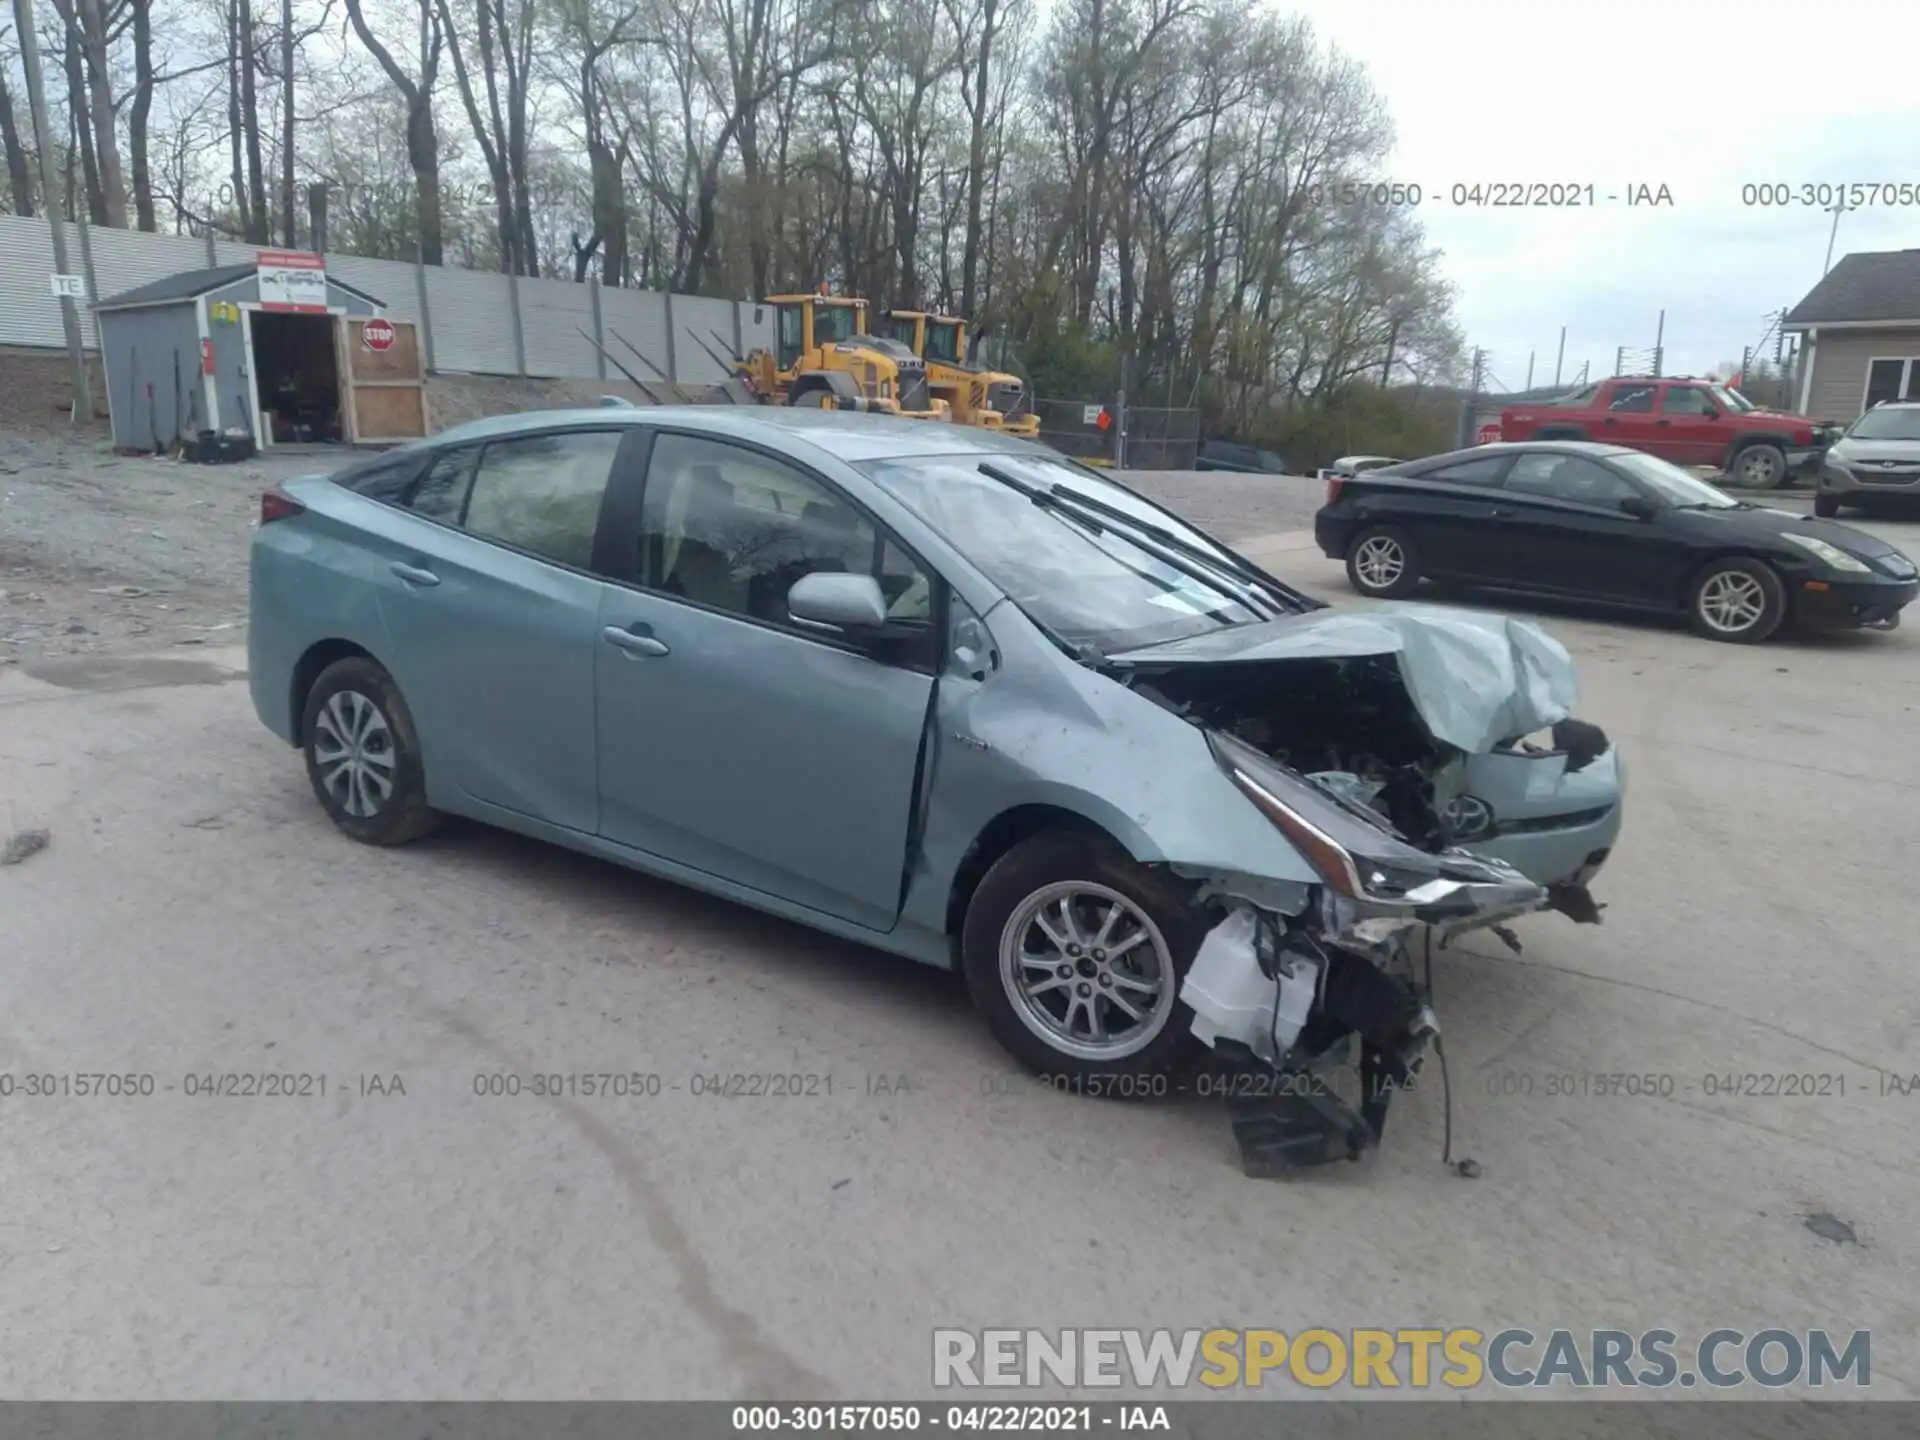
column 1156, row 437
column 1162, row 438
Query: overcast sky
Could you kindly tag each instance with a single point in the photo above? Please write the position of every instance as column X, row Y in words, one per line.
column 1702, row 99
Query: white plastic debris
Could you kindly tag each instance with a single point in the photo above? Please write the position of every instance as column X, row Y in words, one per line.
column 1233, row 999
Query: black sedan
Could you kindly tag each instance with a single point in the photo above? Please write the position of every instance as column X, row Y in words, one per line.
column 1598, row 522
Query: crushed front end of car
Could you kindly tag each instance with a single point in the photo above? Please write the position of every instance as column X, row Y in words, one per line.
column 1423, row 762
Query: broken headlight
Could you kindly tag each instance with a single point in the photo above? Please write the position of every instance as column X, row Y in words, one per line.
column 1352, row 848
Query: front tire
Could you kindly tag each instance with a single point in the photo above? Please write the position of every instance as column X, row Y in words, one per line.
column 1737, row 600
column 1764, row 467
column 363, row 755
column 1383, row 563
column 1826, row 506
column 1074, row 954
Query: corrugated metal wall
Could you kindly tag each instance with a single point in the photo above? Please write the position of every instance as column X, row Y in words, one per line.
column 640, row 318
column 470, row 311
column 556, row 313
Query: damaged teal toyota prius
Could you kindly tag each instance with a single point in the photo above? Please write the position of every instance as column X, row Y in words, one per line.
column 951, row 695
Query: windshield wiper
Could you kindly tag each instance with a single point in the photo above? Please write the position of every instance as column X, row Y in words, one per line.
column 1183, row 556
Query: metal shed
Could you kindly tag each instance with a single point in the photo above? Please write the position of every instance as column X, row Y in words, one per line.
column 275, row 352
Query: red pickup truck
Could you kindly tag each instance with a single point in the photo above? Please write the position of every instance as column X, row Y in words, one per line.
column 1681, row 420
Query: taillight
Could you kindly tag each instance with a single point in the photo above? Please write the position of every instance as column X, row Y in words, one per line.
column 1334, row 484
column 276, row 504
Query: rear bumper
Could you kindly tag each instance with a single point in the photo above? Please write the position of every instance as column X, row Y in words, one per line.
column 1332, row 534
column 1848, row 605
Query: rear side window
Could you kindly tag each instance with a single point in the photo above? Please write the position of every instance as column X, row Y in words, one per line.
column 441, row 493
column 1632, row 399
column 1578, row 400
column 1484, row 471
column 385, row 477
column 542, row 493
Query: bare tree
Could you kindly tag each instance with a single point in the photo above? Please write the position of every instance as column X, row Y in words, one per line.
column 416, row 89
column 19, row 168
column 503, row 48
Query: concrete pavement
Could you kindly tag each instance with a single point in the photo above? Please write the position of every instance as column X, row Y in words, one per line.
column 412, row 1233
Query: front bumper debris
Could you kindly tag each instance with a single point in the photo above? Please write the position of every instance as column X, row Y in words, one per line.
column 1282, row 1000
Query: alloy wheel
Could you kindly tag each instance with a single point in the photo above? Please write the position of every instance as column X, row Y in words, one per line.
column 354, row 752
column 1379, row 561
column 1732, row 601
column 1087, row 971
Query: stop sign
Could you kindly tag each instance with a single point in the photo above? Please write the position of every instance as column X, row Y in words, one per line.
column 377, row 334
column 1105, row 420
column 1488, row 434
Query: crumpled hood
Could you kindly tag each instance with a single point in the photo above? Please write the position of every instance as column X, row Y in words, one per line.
column 1476, row 678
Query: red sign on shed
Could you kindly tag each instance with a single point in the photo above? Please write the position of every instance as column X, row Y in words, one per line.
column 377, row 334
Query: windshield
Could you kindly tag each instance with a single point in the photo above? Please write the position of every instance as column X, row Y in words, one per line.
column 1084, row 585
column 1731, row 399
column 1886, row 424
column 1672, row 484
column 943, row 340
column 833, row 324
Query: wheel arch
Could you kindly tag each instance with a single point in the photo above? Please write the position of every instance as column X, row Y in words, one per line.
column 308, row 670
column 1747, row 439
column 1692, row 574
column 999, row 835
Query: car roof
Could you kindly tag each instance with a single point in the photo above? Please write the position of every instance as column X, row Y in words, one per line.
column 1528, row 447
column 852, row 436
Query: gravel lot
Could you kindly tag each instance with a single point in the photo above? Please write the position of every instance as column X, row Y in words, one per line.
column 1232, row 506
column 103, row 552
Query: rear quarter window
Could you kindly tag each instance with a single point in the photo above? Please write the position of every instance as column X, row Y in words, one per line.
column 384, row 477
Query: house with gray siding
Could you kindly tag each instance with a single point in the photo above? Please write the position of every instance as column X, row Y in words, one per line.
column 1859, row 332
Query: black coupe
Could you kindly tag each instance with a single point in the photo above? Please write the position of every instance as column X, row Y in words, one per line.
column 1598, row 522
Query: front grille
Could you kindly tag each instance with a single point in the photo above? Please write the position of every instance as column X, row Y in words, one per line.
column 1009, row 399
column 913, row 389
column 1539, row 824
column 1880, row 472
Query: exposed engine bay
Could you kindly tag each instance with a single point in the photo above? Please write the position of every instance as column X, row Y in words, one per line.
column 1339, row 753
column 1341, row 716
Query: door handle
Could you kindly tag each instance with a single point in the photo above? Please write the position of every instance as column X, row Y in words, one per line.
column 1499, row 514
column 1663, row 422
column 413, row 574
column 631, row 643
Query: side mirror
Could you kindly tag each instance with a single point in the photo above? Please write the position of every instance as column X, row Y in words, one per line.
column 1640, row 507
column 837, row 601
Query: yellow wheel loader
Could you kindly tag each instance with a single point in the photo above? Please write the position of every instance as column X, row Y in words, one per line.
column 991, row 399
column 824, row 357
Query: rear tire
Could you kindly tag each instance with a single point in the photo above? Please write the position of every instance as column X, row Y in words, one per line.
column 1763, row 466
column 1064, row 937
column 1737, row 600
column 363, row 755
column 1382, row 563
